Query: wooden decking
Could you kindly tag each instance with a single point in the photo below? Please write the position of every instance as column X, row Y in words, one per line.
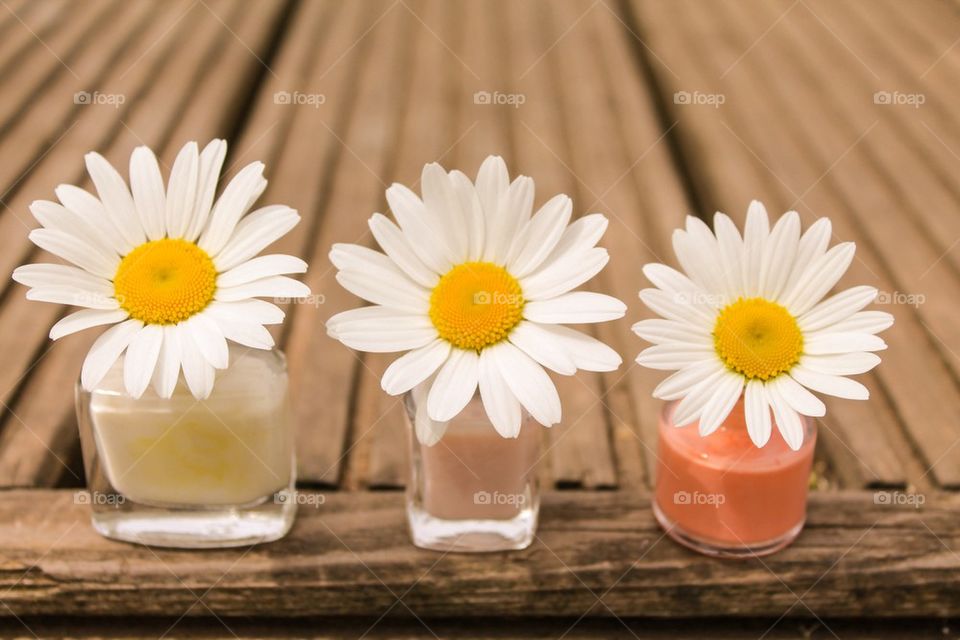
column 640, row 109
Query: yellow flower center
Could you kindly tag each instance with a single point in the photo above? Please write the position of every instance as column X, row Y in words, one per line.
column 475, row 305
column 757, row 338
column 165, row 281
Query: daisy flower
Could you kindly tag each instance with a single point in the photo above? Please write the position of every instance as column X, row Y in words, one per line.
column 174, row 272
column 748, row 319
column 476, row 289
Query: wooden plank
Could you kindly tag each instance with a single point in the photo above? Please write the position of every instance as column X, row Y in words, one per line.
column 396, row 628
column 707, row 134
column 351, row 556
column 41, row 430
column 26, row 30
column 326, row 372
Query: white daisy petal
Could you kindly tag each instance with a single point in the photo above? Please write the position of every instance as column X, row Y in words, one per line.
column 683, row 310
column 492, row 182
column 149, row 195
column 209, row 339
column 105, row 351
column 249, row 334
column 91, row 210
column 455, row 385
column 779, row 253
column 413, row 218
column 272, row 287
column 528, row 382
column 788, row 420
column 695, row 398
column 255, row 233
column 539, row 344
column 580, row 237
column 824, row 343
column 698, row 253
column 428, row 431
column 198, row 373
column 864, row 322
column 837, row 308
column 208, row 175
column 813, row 244
column 167, row 371
column 668, row 357
column 663, row 331
column 394, row 292
column 504, row 226
column 381, row 330
column 539, row 236
column 414, row 367
column 730, row 247
column 755, row 234
column 585, row 351
column 395, row 244
column 261, row 267
column 842, row 364
column 819, row 278
column 501, row 405
column 757, row 413
column 74, row 250
column 182, row 190
column 73, row 297
column 253, row 310
column 61, row 275
column 141, row 359
column 84, row 319
column 830, row 385
column 575, row 308
column 680, row 383
column 672, row 281
column 564, row 274
column 443, row 203
column 116, row 198
column 797, row 396
column 472, row 212
column 725, row 395
column 237, row 198
column 57, row 217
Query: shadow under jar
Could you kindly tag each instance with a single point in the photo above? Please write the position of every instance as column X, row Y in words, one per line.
column 722, row 495
column 181, row 472
column 474, row 490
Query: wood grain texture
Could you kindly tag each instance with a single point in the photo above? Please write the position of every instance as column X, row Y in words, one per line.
column 351, row 556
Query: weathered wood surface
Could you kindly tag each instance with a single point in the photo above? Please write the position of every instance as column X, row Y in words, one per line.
column 798, row 128
column 596, row 553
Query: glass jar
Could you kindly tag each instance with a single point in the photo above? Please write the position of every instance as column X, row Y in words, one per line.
column 474, row 490
column 722, row 495
column 182, row 472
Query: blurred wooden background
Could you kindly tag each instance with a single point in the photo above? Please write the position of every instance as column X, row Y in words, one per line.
column 640, row 109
